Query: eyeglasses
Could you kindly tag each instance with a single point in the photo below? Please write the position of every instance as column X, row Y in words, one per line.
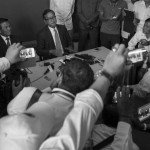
column 54, row 17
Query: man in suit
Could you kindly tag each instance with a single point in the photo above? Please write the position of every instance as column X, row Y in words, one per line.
column 6, row 37
column 53, row 39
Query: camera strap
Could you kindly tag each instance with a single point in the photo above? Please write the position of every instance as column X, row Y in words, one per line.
column 35, row 97
column 104, row 143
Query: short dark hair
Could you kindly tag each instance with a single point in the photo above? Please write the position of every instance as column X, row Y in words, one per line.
column 2, row 20
column 47, row 11
column 77, row 76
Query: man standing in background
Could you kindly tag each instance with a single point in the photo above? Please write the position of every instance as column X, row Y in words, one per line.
column 87, row 11
column 63, row 10
column 111, row 16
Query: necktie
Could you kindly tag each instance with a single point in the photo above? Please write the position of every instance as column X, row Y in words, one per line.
column 59, row 50
column 7, row 42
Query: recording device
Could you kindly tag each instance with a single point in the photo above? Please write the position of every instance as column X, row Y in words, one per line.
column 136, row 55
column 27, row 53
column 144, row 112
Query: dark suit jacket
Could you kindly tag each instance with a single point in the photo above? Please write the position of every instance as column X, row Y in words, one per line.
column 3, row 46
column 45, row 41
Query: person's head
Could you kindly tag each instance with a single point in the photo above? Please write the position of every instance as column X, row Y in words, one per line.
column 49, row 18
column 5, row 27
column 146, row 28
column 114, row 1
column 75, row 76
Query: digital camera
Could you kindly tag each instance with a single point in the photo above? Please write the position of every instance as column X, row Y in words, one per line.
column 27, row 53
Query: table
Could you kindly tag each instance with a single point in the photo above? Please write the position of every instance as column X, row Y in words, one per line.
column 42, row 81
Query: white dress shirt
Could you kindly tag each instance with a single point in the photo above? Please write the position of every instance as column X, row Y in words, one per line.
column 78, row 124
column 141, row 12
column 25, row 131
column 60, row 103
column 63, row 10
column 139, row 35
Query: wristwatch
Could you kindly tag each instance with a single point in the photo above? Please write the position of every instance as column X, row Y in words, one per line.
column 106, row 74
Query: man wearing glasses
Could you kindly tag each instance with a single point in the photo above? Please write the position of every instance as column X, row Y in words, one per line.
column 53, row 39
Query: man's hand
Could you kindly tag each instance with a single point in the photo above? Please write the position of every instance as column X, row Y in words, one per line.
column 13, row 52
column 115, row 61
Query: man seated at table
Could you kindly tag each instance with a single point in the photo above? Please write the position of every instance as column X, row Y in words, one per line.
column 142, row 38
column 6, row 37
column 53, row 39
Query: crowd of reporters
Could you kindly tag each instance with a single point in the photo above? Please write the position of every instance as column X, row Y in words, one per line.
column 66, row 115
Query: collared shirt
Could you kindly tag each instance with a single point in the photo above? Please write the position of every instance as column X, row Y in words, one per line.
column 60, row 103
column 109, row 10
column 141, row 12
column 139, row 35
column 4, row 64
column 4, row 38
column 78, row 124
column 63, row 10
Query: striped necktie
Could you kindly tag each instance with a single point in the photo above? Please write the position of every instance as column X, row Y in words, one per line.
column 8, row 41
column 59, row 50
